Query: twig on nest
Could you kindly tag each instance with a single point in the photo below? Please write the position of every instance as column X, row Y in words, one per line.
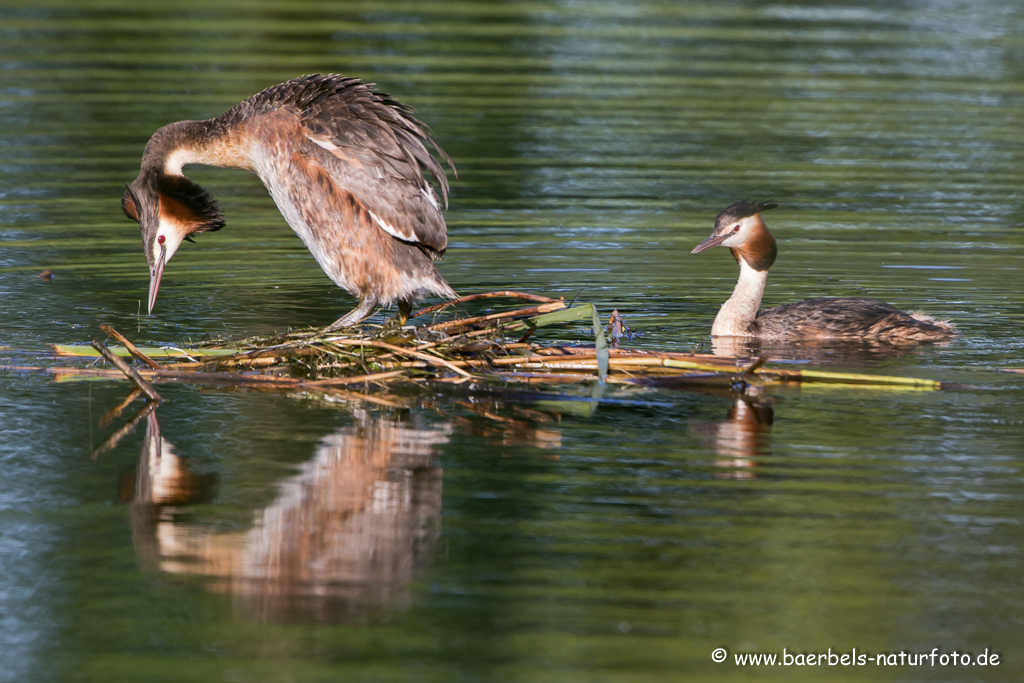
column 144, row 386
column 132, row 348
column 488, row 295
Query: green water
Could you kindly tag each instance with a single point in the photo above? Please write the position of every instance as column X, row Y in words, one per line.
column 476, row 537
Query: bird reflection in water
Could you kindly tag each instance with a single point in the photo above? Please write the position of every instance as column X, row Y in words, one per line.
column 164, row 480
column 741, row 439
column 343, row 538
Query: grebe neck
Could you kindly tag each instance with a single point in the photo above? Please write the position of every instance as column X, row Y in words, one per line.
column 194, row 142
column 736, row 318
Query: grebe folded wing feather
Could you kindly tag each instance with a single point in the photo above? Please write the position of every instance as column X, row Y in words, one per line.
column 410, row 213
column 379, row 152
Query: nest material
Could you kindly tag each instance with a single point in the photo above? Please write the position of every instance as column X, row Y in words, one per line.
column 494, row 347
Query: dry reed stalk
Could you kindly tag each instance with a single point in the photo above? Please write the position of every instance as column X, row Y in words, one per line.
column 590, row 361
column 373, row 377
column 433, row 360
column 825, row 377
column 197, row 365
column 532, row 310
column 680, row 364
column 175, row 376
column 488, row 295
column 561, row 365
column 132, row 348
column 520, row 360
column 265, row 356
column 452, row 340
column 418, row 364
column 144, row 386
column 711, row 359
column 264, row 362
column 553, row 378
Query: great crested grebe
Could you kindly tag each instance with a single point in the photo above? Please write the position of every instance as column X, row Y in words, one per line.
column 345, row 165
column 741, row 228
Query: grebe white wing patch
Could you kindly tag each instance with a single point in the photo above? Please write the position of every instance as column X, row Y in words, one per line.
column 326, row 144
column 408, row 236
column 329, row 145
column 387, row 183
column 429, row 194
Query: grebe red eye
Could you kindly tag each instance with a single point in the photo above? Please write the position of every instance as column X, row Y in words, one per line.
column 160, row 239
column 736, row 229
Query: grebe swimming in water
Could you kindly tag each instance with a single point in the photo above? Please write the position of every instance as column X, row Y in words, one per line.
column 345, row 165
column 741, row 228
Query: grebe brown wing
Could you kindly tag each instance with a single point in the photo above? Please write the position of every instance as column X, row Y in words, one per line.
column 847, row 318
column 374, row 148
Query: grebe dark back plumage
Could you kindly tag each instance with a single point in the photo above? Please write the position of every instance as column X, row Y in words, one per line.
column 345, row 165
column 741, row 228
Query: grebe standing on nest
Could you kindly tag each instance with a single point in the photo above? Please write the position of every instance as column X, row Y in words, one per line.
column 345, row 165
column 741, row 228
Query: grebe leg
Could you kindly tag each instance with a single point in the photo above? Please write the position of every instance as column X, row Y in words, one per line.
column 367, row 302
column 404, row 311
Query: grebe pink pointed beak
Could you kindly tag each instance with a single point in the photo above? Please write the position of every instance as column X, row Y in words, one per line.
column 712, row 241
column 154, row 281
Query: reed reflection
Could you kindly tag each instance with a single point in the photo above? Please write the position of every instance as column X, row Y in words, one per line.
column 524, row 427
column 741, row 439
column 827, row 352
column 343, row 538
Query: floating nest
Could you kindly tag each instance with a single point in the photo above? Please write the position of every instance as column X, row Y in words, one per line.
column 490, row 352
column 491, row 348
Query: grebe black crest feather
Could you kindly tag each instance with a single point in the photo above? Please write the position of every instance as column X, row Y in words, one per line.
column 199, row 205
column 740, row 210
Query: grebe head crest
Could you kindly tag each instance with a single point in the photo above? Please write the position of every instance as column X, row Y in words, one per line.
column 737, row 211
column 169, row 209
column 740, row 228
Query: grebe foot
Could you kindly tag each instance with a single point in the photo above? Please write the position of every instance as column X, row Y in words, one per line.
column 404, row 311
column 361, row 312
column 397, row 322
